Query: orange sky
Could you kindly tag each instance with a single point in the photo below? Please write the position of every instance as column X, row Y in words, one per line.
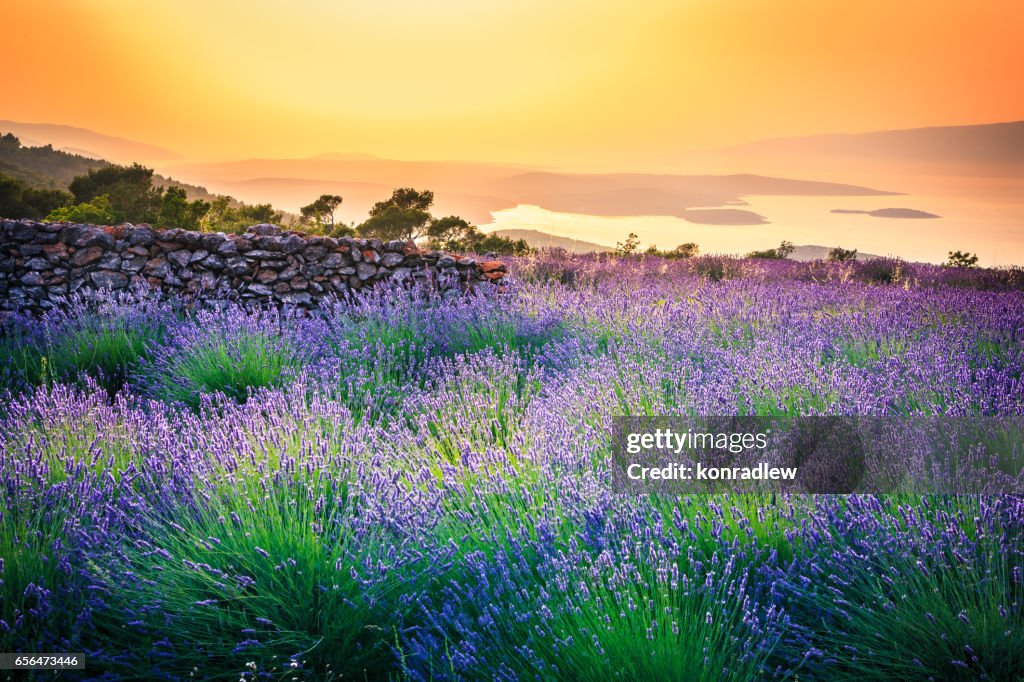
column 589, row 84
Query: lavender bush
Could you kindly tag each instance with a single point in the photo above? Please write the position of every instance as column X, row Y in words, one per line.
column 401, row 486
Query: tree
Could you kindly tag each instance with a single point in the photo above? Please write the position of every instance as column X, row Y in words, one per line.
column 177, row 211
column 98, row 211
column 687, row 250
column 18, row 200
column 320, row 213
column 227, row 215
column 961, row 259
column 502, row 246
column 452, row 233
column 130, row 189
column 841, row 255
column 628, row 247
column 404, row 216
column 780, row 252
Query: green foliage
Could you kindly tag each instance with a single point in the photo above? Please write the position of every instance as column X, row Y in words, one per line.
column 961, row 259
column 42, row 167
column 227, row 215
column 841, row 255
column 106, row 348
column 683, row 251
column 404, row 216
column 18, row 200
column 502, row 246
column 98, row 211
column 31, row 541
column 780, row 252
column 267, row 571
column 320, row 213
column 452, row 233
column 232, row 364
column 628, row 247
column 130, row 189
column 177, row 211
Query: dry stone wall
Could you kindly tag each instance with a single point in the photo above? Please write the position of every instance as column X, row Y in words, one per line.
column 41, row 263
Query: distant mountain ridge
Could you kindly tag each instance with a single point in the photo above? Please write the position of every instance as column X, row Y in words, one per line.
column 990, row 144
column 543, row 240
column 48, row 168
column 87, row 142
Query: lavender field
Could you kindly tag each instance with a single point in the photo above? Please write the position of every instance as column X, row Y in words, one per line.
column 408, row 486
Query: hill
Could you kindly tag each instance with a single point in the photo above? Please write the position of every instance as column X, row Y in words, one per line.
column 48, row 168
column 87, row 142
column 994, row 149
column 809, row 252
column 542, row 240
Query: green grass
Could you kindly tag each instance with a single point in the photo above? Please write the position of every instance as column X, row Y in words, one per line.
column 229, row 364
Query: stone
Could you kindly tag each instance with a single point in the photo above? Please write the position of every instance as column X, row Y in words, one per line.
column 264, row 230
column 295, row 298
column 365, row 271
column 107, row 279
column 142, row 236
column 87, row 256
column 390, row 260
column 213, row 262
column 371, row 256
column 81, row 236
column 133, row 265
column 260, row 289
column 335, row 260
column 37, row 264
column 55, row 252
column 266, row 276
column 157, row 267
column 32, row 279
column 180, row 258
column 227, row 248
column 293, row 244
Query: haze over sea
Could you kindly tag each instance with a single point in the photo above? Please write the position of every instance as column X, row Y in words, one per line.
column 979, row 215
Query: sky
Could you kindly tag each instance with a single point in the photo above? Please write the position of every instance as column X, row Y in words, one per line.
column 583, row 84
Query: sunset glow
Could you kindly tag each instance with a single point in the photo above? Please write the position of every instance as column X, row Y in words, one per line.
column 584, row 84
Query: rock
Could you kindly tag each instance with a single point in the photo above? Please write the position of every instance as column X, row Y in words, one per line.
column 264, row 230
column 81, row 236
column 142, row 236
column 55, row 252
column 87, row 256
column 23, row 232
column 227, row 248
column 213, row 262
column 335, row 260
column 37, row 264
column 110, row 261
column 106, row 279
column 261, row 289
column 266, row 276
column 390, row 260
column 32, row 279
column 157, row 267
column 295, row 298
column 180, row 258
column 365, row 271
column 292, row 244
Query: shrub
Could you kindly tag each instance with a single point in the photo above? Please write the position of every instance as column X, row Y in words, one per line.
column 230, row 355
column 883, row 271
